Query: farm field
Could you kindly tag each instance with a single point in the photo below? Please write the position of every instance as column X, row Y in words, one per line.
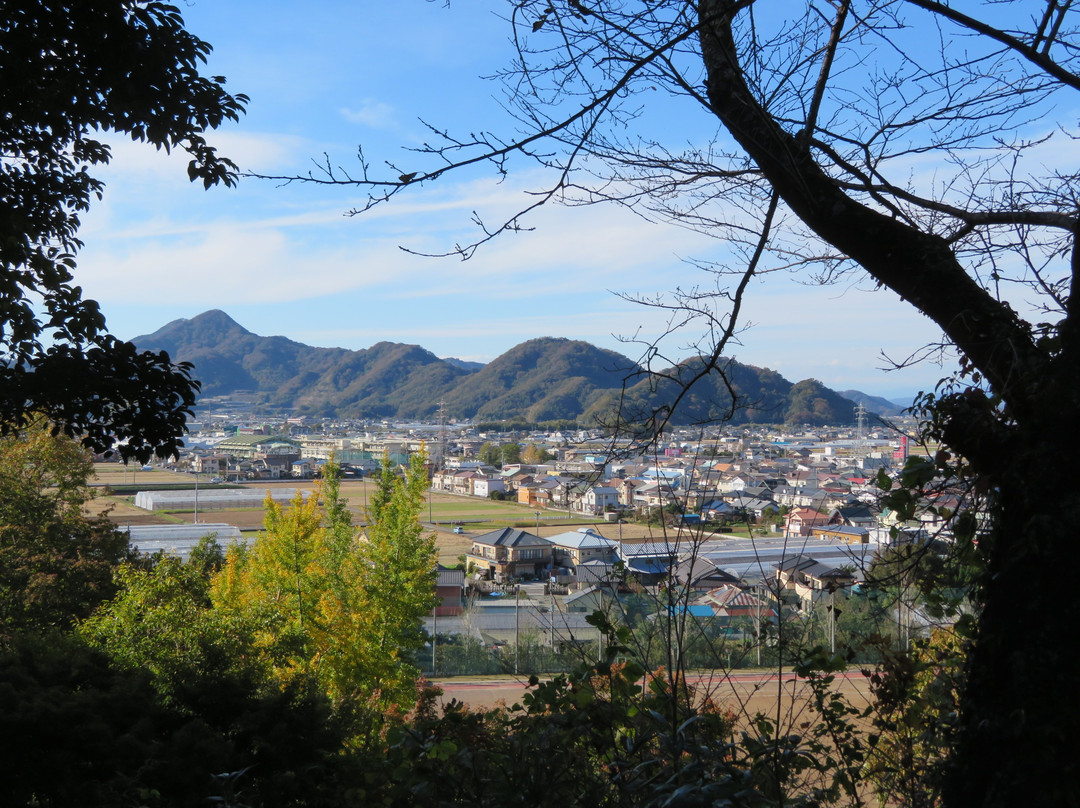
column 442, row 512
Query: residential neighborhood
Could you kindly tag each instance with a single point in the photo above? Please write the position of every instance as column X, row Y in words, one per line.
column 742, row 520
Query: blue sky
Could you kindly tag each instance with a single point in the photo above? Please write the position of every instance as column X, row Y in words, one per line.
column 286, row 260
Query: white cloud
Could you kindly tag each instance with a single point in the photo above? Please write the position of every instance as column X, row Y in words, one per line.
column 335, row 280
column 141, row 163
column 252, row 265
column 372, row 113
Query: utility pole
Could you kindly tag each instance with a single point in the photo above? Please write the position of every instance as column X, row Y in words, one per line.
column 757, row 626
column 434, row 635
column 551, row 615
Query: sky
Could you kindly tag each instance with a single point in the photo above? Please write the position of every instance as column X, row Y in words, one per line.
column 285, row 259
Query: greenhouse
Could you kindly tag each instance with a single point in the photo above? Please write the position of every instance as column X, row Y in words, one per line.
column 215, row 499
column 178, row 540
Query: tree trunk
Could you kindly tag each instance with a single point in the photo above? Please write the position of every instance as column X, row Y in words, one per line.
column 1019, row 707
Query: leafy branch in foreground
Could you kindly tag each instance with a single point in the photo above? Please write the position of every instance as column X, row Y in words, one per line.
column 62, row 90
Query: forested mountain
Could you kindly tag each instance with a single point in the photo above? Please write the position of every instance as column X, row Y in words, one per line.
column 540, row 380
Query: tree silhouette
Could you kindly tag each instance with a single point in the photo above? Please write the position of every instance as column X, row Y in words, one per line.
column 70, row 73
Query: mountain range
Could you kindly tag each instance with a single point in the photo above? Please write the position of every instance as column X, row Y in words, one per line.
column 539, row 380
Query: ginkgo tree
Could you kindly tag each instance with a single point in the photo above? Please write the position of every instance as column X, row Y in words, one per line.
column 338, row 607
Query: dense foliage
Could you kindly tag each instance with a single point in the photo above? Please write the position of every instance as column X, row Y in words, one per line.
column 62, row 89
column 56, row 563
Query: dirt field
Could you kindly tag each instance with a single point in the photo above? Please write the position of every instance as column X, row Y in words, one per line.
column 746, row 693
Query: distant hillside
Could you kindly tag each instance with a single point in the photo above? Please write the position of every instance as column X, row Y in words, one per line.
column 540, row 380
column 760, row 395
column 386, row 380
column 464, row 364
column 874, row 404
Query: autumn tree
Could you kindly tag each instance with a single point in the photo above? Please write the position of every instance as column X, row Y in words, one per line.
column 335, row 608
column 398, row 586
column 276, row 585
column 72, row 73
column 917, row 719
column 919, row 145
column 534, row 454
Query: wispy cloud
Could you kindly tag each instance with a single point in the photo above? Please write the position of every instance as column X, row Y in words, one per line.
column 371, row 113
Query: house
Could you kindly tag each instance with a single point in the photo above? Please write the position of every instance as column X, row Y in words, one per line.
column 853, row 516
column 463, row 481
column 717, row 510
column 537, row 493
column 734, row 605
column 582, row 545
column 809, row 580
column 270, row 468
column 210, row 464
column 752, row 505
column 595, row 573
column 565, row 492
column 510, row 553
column 443, row 480
column 484, row 486
column 650, row 562
column 800, row 521
column 450, row 591
column 701, row 573
column 589, row 600
column 653, row 495
column 599, row 498
column 512, row 480
column 625, row 490
column 834, row 533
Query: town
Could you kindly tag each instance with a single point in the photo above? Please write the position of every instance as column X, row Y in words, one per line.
column 550, row 525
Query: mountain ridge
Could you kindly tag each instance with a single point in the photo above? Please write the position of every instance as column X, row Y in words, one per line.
column 542, row 379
